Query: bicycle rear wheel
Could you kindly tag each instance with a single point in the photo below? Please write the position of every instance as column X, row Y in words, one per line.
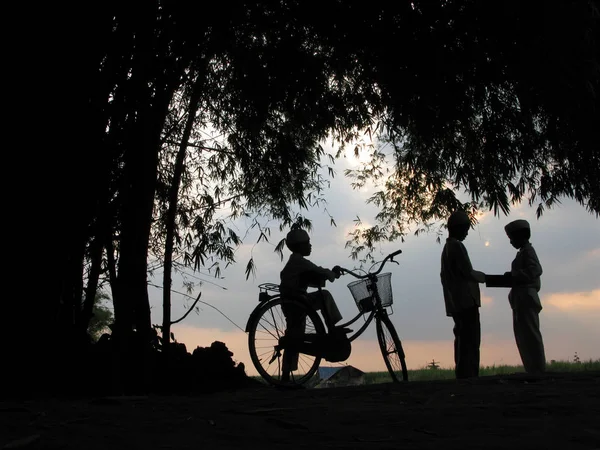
column 275, row 320
column 391, row 349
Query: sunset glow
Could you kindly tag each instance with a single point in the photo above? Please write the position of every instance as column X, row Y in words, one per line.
column 580, row 301
column 366, row 354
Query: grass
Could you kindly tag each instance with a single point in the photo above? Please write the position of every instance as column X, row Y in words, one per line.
column 427, row 374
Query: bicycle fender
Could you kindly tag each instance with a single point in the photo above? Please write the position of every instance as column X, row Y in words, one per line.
column 252, row 318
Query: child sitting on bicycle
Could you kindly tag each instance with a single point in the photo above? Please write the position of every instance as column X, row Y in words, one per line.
column 299, row 274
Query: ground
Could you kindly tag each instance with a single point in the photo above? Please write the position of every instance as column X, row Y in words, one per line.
column 556, row 411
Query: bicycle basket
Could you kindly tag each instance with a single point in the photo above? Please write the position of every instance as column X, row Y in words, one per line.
column 362, row 295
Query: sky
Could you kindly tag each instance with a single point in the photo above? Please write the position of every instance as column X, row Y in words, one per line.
column 566, row 239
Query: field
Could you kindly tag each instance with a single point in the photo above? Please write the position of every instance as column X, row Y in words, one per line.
column 428, row 374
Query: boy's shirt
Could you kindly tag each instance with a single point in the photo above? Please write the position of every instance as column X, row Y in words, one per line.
column 296, row 275
column 461, row 289
column 526, row 271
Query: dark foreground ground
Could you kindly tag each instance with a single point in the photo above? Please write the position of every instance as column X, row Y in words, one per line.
column 556, row 411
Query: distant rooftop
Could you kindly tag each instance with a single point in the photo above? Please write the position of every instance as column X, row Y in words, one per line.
column 326, row 372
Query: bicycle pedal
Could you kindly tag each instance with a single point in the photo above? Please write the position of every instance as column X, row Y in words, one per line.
column 344, row 330
column 276, row 354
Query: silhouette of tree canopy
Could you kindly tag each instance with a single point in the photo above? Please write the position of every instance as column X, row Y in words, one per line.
column 498, row 98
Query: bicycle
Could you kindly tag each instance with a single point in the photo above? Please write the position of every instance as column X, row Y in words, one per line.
column 287, row 338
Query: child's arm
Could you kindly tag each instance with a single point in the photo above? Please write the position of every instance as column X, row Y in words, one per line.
column 529, row 268
column 463, row 264
column 309, row 266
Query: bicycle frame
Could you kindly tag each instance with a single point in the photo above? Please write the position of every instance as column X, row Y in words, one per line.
column 378, row 309
column 286, row 337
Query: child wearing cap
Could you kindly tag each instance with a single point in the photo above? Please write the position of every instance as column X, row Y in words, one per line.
column 462, row 296
column 524, row 299
column 299, row 274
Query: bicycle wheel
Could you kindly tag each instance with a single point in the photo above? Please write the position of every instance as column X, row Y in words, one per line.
column 274, row 320
column 391, row 349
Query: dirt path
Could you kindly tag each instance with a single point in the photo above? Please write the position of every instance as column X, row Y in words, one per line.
column 557, row 411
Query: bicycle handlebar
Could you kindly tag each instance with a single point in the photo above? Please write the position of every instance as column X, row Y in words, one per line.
column 389, row 257
column 397, row 252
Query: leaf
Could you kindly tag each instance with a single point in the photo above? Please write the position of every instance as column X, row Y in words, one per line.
column 279, row 248
column 250, row 268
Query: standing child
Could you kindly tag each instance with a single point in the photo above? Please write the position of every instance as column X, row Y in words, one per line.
column 462, row 296
column 524, row 299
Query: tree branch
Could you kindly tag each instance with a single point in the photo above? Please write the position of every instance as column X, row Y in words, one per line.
column 188, row 311
column 200, row 147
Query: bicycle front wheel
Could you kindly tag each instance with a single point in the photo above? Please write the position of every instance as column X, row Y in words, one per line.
column 391, row 349
column 276, row 319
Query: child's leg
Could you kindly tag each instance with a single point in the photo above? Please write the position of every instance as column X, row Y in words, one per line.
column 526, row 325
column 467, row 340
column 332, row 310
column 296, row 326
column 325, row 301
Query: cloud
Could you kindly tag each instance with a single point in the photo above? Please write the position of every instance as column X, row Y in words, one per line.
column 484, row 217
column 486, row 300
column 574, row 301
column 351, row 160
column 593, row 254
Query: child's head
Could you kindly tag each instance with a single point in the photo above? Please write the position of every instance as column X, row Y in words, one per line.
column 519, row 232
column 298, row 241
column 459, row 224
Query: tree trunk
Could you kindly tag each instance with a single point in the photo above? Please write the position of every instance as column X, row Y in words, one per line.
column 112, row 268
column 153, row 83
column 85, row 315
column 172, row 212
